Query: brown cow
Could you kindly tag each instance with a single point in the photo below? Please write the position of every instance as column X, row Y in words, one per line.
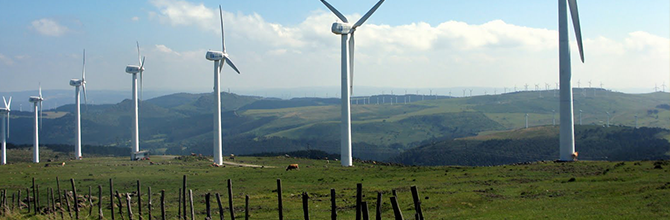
column 575, row 155
column 292, row 167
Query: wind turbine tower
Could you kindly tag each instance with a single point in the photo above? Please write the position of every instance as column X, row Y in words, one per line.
column 79, row 83
column 526, row 120
column 608, row 119
column 567, row 128
column 344, row 29
column 5, row 127
column 134, row 70
column 219, row 57
column 580, row 117
column 37, row 108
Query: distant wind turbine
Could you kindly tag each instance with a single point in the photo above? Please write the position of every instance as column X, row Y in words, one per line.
column 79, row 83
column 134, row 70
column 345, row 29
column 567, row 134
column 5, row 127
column 37, row 108
column 219, row 57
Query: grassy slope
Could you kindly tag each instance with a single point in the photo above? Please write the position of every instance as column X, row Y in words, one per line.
column 602, row 190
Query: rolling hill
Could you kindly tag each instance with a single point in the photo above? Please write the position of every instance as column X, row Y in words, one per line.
column 181, row 122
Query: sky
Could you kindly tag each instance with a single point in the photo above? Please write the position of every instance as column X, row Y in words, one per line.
column 284, row 45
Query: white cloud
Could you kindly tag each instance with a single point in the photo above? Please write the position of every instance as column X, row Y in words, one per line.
column 6, row 60
column 135, row 18
column 449, row 54
column 165, row 49
column 49, row 27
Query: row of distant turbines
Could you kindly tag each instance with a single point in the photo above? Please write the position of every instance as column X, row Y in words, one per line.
column 346, row 30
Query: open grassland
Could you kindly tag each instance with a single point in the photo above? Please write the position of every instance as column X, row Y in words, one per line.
column 582, row 190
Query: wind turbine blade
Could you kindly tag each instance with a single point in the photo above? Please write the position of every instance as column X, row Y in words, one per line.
column 223, row 38
column 141, row 76
column 578, row 30
column 139, row 57
column 7, row 124
column 335, row 11
column 367, row 15
column 9, row 104
column 351, row 63
column 232, row 65
column 83, row 87
column 83, row 69
column 40, row 90
column 40, row 115
column 5, row 101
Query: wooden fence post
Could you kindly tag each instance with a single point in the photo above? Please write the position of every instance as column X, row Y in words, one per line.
column 139, row 199
column 118, row 197
column 67, row 202
column 183, row 196
column 100, row 216
column 359, row 198
column 230, row 199
column 417, row 203
column 364, row 209
column 396, row 209
column 111, row 197
column 246, row 207
column 163, row 204
column 130, row 209
column 90, row 202
column 379, row 206
column 218, row 200
column 190, row 200
column 34, row 197
column 279, row 200
column 305, row 205
column 208, row 209
column 76, row 200
column 333, row 206
column 150, row 205
column 60, row 200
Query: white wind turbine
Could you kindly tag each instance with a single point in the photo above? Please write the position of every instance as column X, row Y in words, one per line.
column 345, row 29
column 37, row 102
column 567, row 127
column 219, row 57
column 134, row 70
column 5, row 127
column 79, row 83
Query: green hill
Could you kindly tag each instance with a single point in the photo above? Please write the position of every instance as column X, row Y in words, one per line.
column 537, row 144
column 182, row 123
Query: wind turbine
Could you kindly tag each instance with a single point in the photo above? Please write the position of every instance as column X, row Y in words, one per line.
column 219, row 58
column 79, row 83
column 345, row 29
column 567, row 127
column 134, row 70
column 37, row 102
column 526, row 120
column 5, row 127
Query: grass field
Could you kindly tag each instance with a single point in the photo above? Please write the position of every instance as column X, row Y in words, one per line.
column 599, row 190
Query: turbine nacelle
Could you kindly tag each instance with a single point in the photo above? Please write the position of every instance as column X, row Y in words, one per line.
column 342, row 28
column 215, row 55
column 133, row 69
column 35, row 99
column 76, row 82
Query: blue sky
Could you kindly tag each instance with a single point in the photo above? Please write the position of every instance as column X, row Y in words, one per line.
column 287, row 44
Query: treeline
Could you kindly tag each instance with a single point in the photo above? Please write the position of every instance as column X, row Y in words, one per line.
column 309, row 154
column 592, row 143
column 85, row 149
